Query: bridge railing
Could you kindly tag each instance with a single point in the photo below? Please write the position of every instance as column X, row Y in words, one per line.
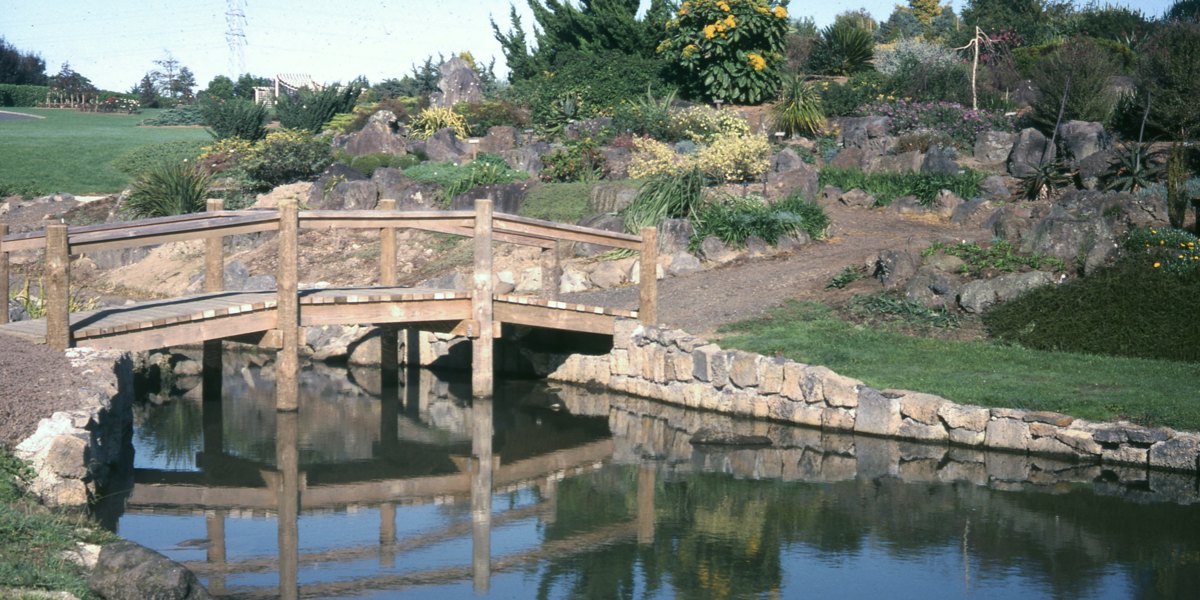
column 60, row 241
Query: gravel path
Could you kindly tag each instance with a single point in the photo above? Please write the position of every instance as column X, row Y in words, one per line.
column 35, row 382
column 703, row 301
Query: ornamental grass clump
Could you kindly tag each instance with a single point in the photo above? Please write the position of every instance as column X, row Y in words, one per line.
column 169, row 188
column 434, row 119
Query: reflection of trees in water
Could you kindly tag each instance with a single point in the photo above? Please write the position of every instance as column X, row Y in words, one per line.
column 720, row 537
column 173, row 431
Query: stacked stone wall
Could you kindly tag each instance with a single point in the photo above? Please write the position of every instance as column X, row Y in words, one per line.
column 672, row 366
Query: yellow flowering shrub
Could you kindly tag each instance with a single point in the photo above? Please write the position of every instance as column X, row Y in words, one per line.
column 434, row 119
column 651, row 157
column 702, row 123
column 738, row 48
column 732, row 157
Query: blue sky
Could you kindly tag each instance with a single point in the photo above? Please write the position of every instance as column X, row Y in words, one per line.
column 114, row 42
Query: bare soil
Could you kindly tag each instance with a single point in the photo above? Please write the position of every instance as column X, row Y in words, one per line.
column 35, row 382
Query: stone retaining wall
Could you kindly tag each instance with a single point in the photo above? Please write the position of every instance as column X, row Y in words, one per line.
column 675, row 367
column 73, row 452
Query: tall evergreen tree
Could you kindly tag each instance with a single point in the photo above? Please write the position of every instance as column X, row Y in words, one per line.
column 19, row 67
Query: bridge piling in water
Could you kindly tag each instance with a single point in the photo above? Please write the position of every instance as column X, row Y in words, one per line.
column 481, row 302
column 214, row 281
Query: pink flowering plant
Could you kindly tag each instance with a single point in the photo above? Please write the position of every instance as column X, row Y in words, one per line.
column 958, row 122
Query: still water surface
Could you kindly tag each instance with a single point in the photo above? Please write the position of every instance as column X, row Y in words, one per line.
column 415, row 491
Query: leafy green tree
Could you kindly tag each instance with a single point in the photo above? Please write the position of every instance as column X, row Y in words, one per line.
column 727, row 49
column 1079, row 70
column 1169, row 72
column 184, row 83
column 244, row 88
column 71, row 82
column 221, row 87
column 1036, row 21
column 925, row 10
column 1184, row 10
column 20, row 67
column 146, row 92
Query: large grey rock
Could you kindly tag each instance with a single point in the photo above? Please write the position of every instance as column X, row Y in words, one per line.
column 682, row 264
column 893, row 268
column 933, row 287
column 381, row 134
column 612, row 197
column 344, row 195
column 997, row 187
column 993, row 147
column 239, row 279
column 946, row 203
column 867, row 133
column 506, row 198
column 877, row 414
column 1030, row 150
column 1082, row 228
column 850, row 158
column 940, row 160
column 527, row 158
column 616, row 162
column 786, row 160
column 802, row 179
column 409, row 194
column 607, row 222
column 857, row 198
column 445, row 146
column 674, row 235
column 499, row 139
column 1093, row 169
column 459, row 83
column 714, row 250
column 978, row 296
column 128, row 571
column 1081, row 139
column 609, row 274
column 904, row 162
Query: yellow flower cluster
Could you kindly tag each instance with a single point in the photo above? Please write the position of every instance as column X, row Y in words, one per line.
column 711, row 30
column 703, row 123
column 735, row 157
column 723, row 6
column 757, row 62
column 690, row 49
column 651, row 157
column 780, row 12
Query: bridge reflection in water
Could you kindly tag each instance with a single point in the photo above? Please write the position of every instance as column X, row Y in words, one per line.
column 567, row 493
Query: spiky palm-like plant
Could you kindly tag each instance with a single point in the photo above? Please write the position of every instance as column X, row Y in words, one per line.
column 844, row 49
column 170, row 188
column 799, row 109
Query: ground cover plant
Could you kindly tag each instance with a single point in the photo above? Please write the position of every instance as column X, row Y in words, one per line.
column 568, row 202
column 986, row 373
column 999, row 256
column 486, row 169
column 72, row 151
column 886, row 187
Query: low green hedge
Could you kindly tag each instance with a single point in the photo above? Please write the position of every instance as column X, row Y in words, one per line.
column 22, row 95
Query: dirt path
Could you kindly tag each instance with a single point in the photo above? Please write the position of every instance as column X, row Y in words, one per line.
column 702, row 301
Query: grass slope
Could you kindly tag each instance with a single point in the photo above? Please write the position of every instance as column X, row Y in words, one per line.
column 1101, row 388
column 72, row 151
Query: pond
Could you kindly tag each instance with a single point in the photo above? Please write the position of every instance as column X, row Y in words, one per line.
column 413, row 490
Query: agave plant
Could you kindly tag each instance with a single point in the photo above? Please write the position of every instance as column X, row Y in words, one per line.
column 799, row 109
column 1137, row 166
column 170, row 188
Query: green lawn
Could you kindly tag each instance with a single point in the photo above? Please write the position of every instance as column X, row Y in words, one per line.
column 1158, row 393
column 72, row 151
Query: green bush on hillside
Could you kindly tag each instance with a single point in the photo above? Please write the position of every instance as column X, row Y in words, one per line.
column 1129, row 309
column 143, row 158
column 184, row 114
column 22, row 95
column 245, row 119
column 886, row 187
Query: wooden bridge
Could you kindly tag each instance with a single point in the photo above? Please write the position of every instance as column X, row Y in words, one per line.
column 275, row 318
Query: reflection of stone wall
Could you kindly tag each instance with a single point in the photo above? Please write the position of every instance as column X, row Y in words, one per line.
column 666, row 433
column 674, row 367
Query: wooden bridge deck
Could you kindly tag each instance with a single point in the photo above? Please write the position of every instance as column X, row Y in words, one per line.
column 217, row 315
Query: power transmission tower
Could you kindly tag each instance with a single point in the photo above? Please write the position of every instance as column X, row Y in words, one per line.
column 235, row 36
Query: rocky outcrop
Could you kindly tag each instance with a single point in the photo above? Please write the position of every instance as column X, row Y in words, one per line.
column 74, row 453
column 1031, row 150
column 383, row 133
column 980, row 295
column 128, row 571
column 458, row 83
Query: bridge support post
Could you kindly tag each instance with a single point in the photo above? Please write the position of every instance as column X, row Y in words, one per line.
column 3, row 273
column 645, row 504
column 481, row 493
column 388, row 334
column 287, row 361
column 214, row 281
column 552, row 270
column 481, row 302
column 648, row 277
column 215, row 555
column 287, row 461
column 57, row 291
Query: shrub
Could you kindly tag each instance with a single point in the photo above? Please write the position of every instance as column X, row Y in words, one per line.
column 813, row 219
column 735, row 158
column 225, row 154
column 310, row 111
column 140, row 159
column 645, row 115
column 845, row 99
column 484, row 115
column 594, row 82
column 1129, row 309
column 578, row 160
column 1080, row 71
column 184, row 114
column 244, row 119
column 734, row 219
column 1169, row 71
column 434, row 119
column 22, row 95
column 727, row 49
column 1168, row 250
column 368, row 163
column 899, row 57
column 799, row 108
column 844, row 49
column 652, row 158
column 702, row 124
column 961, row 124
column 486, row 169
column 286, row 156
column 168, row 188
column 666, row 196
column 558, row 202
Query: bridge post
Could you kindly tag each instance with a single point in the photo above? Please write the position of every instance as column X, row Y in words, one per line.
column 648, row 277
column 287, row 361
column 552, row 270
column 3, row 273
column 57, row 291
column 214, row 281
column 481, row 493
column 481, row 302
column 287, row 462
column 389, row 342
column 645, row 504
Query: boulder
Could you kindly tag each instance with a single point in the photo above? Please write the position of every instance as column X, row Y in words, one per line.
column 682, row 264
column 1093, row 169
column 1081, row 139
column 946, row 203
column 849, row 158
column 609, row 274
column 857, row 198
column 997, row 187
column 607, row 222
column 128, row 571
column 612, row 197
column 674, row 236
column 506, row 198
column 458, row 83
column 1009, row 222
column 993, row 147
column 786, row 160
column 344, row 195
column 867, row 133
column 940, row 160
column 906, row 205
column 239, row 279
column 616, row 162
column 445, row 146
column 714, row 250
column 499, row 139
column 409, row 194
column 802, row 179
column 904, row 162
column 382, row 133
column 527, row 158
column 978, row 296
column 893, row 268
column 1030, row 150
column 1082, row 228
column 933, row 287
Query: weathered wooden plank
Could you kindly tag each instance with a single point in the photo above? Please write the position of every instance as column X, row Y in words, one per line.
column 58, row 287
column 188, row 333
column 574, row 233
column 387, row 247
column 538, row 316
column 214, row 254
column 385, row 312
column 483, row 288
column 287, row 362
column 3, row 274
column 648, row 277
